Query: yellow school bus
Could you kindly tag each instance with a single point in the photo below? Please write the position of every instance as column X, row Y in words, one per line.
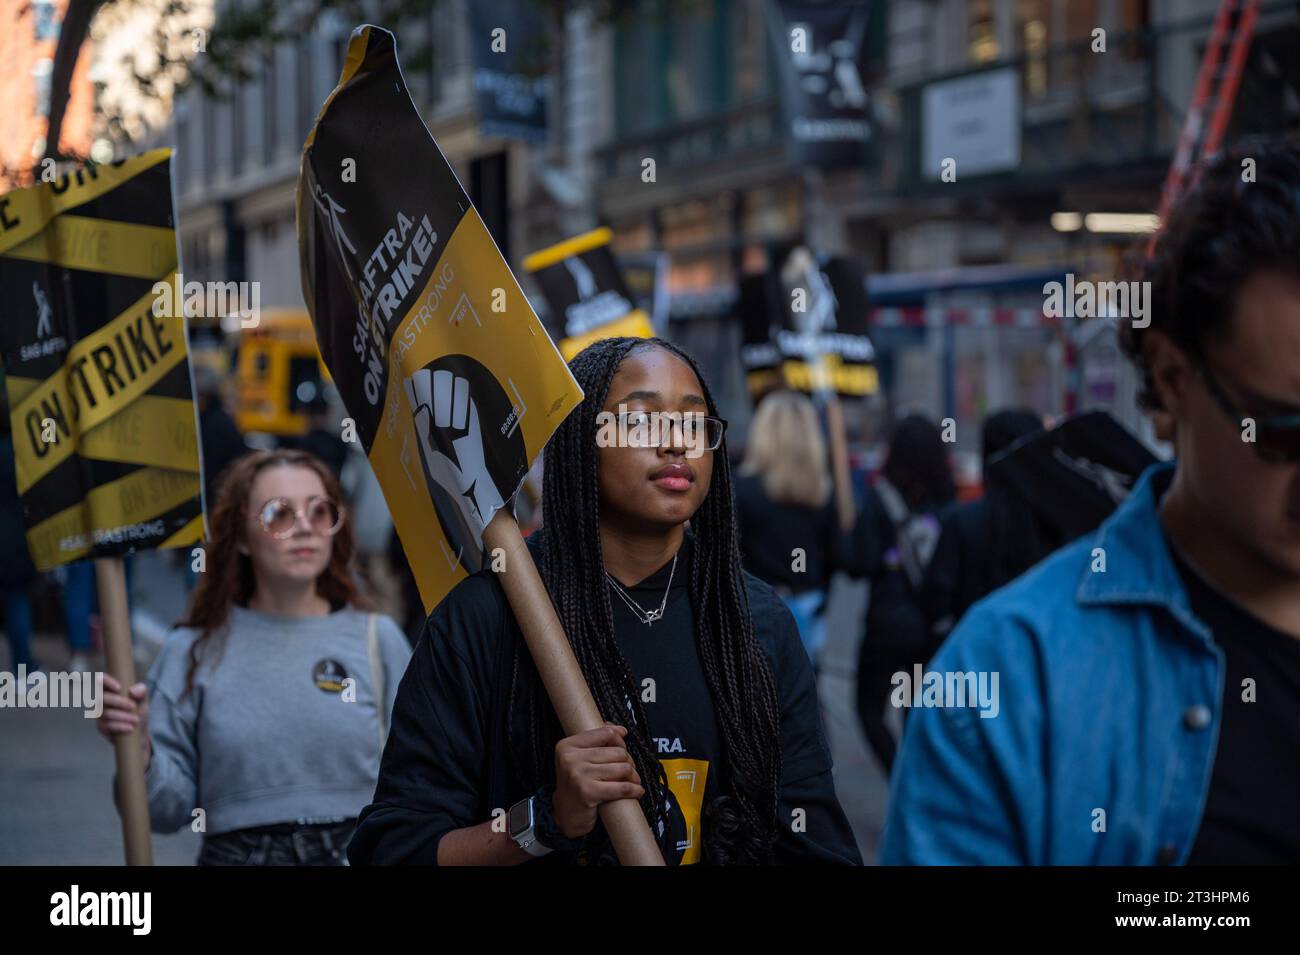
column 279, row 372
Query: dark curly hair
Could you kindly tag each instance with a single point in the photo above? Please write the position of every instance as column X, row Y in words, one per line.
column 917, row 464
column 1219, row 234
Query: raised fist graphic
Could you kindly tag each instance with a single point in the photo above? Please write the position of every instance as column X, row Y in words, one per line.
column 451, row 445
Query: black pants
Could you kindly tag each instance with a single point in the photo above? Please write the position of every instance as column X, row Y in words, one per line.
column 282, row 844
column 873, row 690
column 896, row 638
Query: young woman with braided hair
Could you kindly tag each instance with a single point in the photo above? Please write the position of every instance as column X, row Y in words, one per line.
column 710, row 703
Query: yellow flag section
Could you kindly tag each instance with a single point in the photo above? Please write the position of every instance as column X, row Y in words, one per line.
column 96, row 371
column 506, row 356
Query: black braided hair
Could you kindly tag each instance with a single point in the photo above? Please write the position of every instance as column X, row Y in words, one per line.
column 740, row 826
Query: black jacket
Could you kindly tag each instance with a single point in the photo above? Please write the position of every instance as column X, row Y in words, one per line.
column 770, row 533
column 446, row 764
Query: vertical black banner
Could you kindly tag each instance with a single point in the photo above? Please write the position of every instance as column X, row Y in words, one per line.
column 822, row 49
column 511, row 81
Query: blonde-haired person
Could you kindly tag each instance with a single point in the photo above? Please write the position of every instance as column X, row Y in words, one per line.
column 269, row 706
column 785, row 511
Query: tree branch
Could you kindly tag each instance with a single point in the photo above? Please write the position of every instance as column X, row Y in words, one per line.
column 72, row 34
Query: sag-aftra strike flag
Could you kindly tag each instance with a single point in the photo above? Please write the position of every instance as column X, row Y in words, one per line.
column 451, row 380
column 96, row 366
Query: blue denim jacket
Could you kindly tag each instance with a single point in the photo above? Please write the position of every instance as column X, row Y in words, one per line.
column 1110, row 699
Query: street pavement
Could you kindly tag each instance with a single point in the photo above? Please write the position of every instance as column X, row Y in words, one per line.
column 56, row 771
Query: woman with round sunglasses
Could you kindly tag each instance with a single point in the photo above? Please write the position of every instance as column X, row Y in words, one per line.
column 710, row 706
column 267, row 709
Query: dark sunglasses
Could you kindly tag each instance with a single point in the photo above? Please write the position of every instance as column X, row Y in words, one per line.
column 279, row 517
column 1277, row 437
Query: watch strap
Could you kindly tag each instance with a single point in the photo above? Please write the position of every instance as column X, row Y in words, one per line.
column 547, row 830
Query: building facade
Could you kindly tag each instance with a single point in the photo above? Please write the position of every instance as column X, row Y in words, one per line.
column 1053, row 134
column 29, row 33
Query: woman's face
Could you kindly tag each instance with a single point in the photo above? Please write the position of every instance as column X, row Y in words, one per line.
column 305, row 552
column 647, row 486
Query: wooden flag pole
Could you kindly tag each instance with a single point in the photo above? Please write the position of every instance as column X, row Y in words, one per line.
column 562, row 677
column 133, row 801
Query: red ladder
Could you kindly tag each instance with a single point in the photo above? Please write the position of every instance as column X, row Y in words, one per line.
column 1233, row 26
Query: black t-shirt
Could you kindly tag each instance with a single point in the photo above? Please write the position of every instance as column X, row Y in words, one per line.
column 1252, row 812
column 676, row 700
column 446, row 765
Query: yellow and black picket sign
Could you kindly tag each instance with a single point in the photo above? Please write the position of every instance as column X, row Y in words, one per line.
column 101, row 399
column 450, row 380
column 805, row 326
column 830, row 373
column 586, row 292
column 97, row 378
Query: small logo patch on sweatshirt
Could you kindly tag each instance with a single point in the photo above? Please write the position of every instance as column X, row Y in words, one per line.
column 328, row 675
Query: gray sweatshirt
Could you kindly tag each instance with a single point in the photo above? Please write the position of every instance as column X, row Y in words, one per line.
column 273, row 730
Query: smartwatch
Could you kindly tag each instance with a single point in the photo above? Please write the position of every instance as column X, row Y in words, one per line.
column 522, row 823
column 532, row 825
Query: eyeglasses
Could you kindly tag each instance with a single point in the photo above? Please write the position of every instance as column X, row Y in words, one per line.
column 279, row 517
column 1277, row 437
column 652, row 429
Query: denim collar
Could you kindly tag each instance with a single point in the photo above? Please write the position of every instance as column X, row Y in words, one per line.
column 1139, row 566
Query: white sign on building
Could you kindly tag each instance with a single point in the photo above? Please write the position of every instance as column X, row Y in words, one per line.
column 974, row 120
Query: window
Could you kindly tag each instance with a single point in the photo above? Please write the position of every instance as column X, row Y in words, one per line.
column 981, row 32
column 749, row 73
column 304, row 87
column 1034, row 17
column 270, row 103
column 670, row 69
column 203, row 160
column 41, row 78
column 693, row 87
column 182, row 150
column 238, row 104
column 44, row 24
column 304, row 382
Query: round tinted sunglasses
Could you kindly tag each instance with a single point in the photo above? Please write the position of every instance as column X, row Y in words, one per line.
column 279, row 517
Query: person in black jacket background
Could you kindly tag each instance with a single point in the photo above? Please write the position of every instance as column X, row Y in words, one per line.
column 221, row 441
column 985, row 543
column 789, row 528
column 895, row 536
column 711, row 707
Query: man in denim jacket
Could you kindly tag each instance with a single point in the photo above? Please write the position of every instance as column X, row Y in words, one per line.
column 1149, row 673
